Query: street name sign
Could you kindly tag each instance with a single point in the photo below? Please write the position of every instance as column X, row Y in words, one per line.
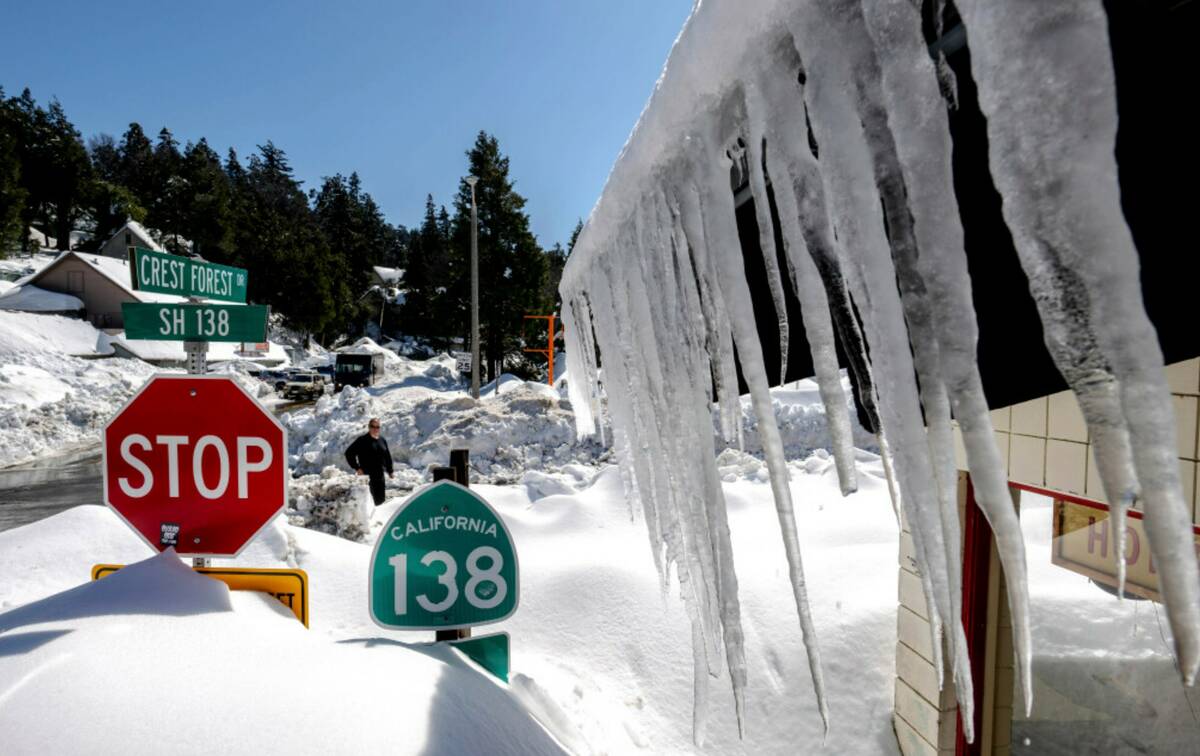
column 195, row 462
column 194, row 322
column 445, row 560
column 289, row 587
column 171, row 274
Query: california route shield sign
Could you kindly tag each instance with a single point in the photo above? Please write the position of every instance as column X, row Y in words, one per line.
column 445, row 560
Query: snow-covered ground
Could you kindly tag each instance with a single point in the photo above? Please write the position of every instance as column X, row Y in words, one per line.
column 600, row 653
column 51, row 396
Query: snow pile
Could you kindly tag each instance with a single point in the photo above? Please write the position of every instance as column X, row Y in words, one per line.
column 337, row 502
column 48, row 397
column 424, row 414
column 869, row 226
column 238, row 652
column 595, row 651
column 30, row 298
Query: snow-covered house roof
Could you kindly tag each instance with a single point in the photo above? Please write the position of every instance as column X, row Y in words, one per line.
column 30, row 298
column 132, row 234
column 41, row 240
column 387, row 276
column 116, row 271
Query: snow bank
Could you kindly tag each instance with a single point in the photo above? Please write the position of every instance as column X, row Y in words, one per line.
column 424, row 414
column 595, row 651
column 30, row 298
column 48, row 397
column 202, row 669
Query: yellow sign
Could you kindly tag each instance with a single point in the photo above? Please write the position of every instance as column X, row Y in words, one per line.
column 290, row 587
column 1084, row 542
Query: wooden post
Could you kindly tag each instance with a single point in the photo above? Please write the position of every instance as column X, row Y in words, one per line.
column 457, row 472
column 460, row 462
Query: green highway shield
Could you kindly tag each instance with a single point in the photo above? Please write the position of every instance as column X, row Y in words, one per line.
column 445, row 560
column 194, row 322
column 171, row 274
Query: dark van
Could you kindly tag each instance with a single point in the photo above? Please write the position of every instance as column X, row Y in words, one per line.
column 356, row 369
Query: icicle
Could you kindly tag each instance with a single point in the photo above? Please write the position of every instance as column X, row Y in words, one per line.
column 921, row 132
column 766, row 240
column 710, row 199
column 1051, row 151
column 849, row 181
column 770, row 109
column 720, row 345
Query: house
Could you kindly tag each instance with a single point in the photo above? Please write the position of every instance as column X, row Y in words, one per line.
column 132, row 234
column 100, row 283
column 388, row 277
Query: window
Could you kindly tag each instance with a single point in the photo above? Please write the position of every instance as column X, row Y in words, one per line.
column 75, row 281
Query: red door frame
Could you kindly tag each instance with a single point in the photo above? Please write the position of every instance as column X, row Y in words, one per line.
column 977, row 557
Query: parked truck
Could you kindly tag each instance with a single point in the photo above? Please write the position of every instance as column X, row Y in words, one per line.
column 357, row 369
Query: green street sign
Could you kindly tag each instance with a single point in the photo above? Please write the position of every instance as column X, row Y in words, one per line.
column 172, row 274
column 194, row 322
column 445, row 560
column 488, row 651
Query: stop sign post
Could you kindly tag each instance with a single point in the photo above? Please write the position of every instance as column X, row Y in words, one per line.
column 197, row 463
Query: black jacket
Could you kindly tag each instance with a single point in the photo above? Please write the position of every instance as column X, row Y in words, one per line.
column 370, row 455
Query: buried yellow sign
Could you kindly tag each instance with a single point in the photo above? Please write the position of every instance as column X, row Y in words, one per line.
column 1084, row 542
column 290, row 587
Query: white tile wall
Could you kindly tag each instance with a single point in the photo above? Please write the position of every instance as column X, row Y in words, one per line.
column 1030, row 417
column 1027, row 460
column 1064, row 420
column 1184, row 377
column 1066, row 466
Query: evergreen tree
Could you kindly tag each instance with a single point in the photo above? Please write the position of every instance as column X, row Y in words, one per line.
column 512, row 267
column 277, row 240
column 206, row 211
column 136, row 165
column 70, row 174
column 12, row 193
column 428, row 268
column 170, row 190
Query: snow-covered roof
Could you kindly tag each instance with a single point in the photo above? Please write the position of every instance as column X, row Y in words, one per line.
column 41, row 239
column 142, row 233
column 116, row 271
column 389, row 275
column 30, row 298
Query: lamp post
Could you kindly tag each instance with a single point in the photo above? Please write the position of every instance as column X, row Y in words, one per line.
column 471, row 180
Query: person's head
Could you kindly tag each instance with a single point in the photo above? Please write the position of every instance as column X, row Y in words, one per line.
column 373, row 427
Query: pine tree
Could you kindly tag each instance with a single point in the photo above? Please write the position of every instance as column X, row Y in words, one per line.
column 170, row 190
column 512, row 267
column 136, row 165
column 427, row 271
column 12, row 193
column 206, row 215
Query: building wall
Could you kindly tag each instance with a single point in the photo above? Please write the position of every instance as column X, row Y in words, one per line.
column 119, row 245
column 101, row 297
column 1045, row 443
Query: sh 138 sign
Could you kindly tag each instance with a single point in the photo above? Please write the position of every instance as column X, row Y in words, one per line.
column 445, row 560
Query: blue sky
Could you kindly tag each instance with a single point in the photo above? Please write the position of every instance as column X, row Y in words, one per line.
column 395, row 90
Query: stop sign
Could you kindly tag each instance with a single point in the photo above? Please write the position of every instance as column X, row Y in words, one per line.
column 196, row 463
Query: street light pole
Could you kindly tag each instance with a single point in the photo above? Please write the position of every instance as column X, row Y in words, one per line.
column 474, row 290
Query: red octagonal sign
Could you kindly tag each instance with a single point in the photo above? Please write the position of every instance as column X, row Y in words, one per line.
column 196, row 463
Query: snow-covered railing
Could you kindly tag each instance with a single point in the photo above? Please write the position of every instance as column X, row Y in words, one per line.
column 656, row 285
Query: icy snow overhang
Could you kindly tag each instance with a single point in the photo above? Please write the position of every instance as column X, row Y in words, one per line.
column 1155, row 149
column 812, row 142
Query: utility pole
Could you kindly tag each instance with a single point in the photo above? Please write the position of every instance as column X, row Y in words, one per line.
column 474, row 290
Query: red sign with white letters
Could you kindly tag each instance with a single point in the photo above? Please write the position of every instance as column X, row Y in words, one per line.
column 197, row 463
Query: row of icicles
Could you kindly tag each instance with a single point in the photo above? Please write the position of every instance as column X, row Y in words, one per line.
column 870, row 226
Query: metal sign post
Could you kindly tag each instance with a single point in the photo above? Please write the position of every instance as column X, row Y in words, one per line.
column 197, row 364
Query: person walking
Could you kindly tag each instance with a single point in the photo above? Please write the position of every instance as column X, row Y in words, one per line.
column 369, row 455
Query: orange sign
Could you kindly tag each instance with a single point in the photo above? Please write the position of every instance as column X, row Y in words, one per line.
column 290, row 587
column 1084, row 542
